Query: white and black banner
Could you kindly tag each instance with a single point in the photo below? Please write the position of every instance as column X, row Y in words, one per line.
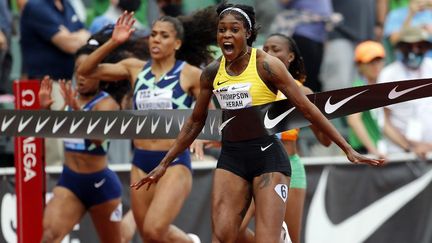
column 235, row 125
column 344, row 204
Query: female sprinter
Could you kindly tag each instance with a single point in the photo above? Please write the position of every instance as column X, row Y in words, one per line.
column 285, row 48
column 165, row 81
column 86, row 183
column 244, row 170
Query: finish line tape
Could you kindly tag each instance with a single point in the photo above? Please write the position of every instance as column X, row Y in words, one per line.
column 235, row 125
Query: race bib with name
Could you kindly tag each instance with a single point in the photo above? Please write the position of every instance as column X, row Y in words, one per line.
column 159, row 99
column 235, row 96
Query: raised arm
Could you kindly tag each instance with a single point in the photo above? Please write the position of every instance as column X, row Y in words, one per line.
column 92, row 68
column 193, row 126
column 274, row 72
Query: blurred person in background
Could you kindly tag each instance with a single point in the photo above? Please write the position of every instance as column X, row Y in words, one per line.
column 305, row 21
column 5, row 47
column 407, row 124
column 365, row 133
column 171, row 8
column 360, row 23
column 115, row 9
column 417, row 14
column 51, row 33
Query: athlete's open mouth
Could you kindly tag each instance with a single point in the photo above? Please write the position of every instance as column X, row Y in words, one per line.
column 228, row 47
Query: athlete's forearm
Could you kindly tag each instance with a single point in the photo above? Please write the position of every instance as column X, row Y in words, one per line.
column 95, row 58
column 187, row 135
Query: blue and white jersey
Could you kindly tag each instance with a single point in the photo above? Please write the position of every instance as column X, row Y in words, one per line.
column 86, row 146
column 165, row 93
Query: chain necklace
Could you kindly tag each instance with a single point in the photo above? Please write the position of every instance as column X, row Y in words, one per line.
column 237, row 58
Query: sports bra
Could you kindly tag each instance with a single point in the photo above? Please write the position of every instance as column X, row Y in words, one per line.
column 87, row 146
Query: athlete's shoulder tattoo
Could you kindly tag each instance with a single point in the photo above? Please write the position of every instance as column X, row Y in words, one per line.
column 267, row 68
column 209, row 73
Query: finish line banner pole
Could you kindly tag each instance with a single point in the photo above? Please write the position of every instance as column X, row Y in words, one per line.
column 29, row 165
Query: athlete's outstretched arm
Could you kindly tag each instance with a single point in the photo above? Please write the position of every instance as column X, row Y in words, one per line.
column 92, row 68
column 274, row 71
column 190, row 130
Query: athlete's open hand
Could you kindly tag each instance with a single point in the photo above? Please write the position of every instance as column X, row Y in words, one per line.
column 69, row 94
column 152, row 177
column 45, row 100
column 124, row 27
column 357, row 158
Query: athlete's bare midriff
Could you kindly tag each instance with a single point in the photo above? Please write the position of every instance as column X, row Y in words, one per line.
column 85, row 163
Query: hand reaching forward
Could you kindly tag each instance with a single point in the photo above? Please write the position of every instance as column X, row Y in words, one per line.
column 45, row 100
column 124, row 27
column 357, row 158
column 152, row 177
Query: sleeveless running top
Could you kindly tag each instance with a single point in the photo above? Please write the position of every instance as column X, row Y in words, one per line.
column 244, row 90
column 86, row 146
column 290, row 135
column 165, row 93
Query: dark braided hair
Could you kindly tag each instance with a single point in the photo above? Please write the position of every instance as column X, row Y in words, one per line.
column 136, row 46
column 197, row 32
column 248, row 10
column 296, row 67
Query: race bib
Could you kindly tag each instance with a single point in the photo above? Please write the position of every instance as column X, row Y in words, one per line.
column 159, row 99
column 234, row 96
column 74, row 143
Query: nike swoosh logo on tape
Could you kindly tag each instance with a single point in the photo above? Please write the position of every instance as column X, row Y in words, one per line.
column 212, row 125
column 180, row 124
column 40, row 125
column 140, row 125
column 100, row 183
column 92, row 126
column 6, row 124
column 319, row 228
column 220, row 83
column 266, row 147
column 168, row 125
column 57, row 126
column 75, row 126
column 154, row 125
column 330, row 108
column 123, row 126
column 396, row 94
column 22, row 124
column 109, row 126
column 222, row 126
column 270, row 123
